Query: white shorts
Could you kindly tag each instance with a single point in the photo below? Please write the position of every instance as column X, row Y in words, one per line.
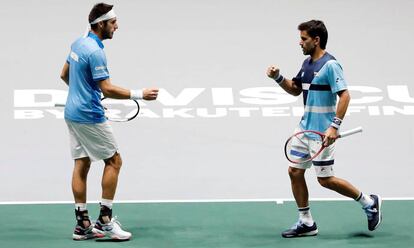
column 322, row 163
column 95, row 141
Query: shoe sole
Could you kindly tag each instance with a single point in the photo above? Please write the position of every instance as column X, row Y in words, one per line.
column 379, row 212
column 86, row 237
column 114, row 237
column 121, row 239
column 311, row 233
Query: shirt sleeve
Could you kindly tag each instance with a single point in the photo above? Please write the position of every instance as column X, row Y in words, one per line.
column 298, row 79
column 98, row 66
column 69, row 56
column 68, row 59
column 336, row 77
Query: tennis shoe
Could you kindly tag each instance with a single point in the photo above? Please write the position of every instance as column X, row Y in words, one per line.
column 300, row 229
column 84, row 233
column 112, row 229
column 374, row 213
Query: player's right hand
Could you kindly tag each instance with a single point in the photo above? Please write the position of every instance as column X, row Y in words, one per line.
column 150, row 94
column 273, row 71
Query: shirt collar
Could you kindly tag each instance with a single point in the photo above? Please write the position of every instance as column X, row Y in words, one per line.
column 96, row 38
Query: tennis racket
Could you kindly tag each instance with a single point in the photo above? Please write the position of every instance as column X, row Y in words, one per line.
column 117, row 110
column 298, row 145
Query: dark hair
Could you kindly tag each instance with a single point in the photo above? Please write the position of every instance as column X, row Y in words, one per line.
column 315, row 28
column 98, row 10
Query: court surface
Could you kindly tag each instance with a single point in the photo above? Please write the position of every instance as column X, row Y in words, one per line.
column 218, row 128
column 225, row 224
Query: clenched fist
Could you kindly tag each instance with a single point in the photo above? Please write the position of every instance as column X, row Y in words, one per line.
column 273, row 71
column 150, row 94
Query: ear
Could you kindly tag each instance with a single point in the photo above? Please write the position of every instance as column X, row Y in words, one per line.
column 317, row 40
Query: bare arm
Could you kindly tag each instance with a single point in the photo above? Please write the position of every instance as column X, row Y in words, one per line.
column 344, row 99
column 64, row 75
column 332, row 133
column 288, row 85
column 112, row 91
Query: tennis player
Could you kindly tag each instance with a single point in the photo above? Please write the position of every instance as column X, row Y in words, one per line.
column 321, row 81
column 91, row 137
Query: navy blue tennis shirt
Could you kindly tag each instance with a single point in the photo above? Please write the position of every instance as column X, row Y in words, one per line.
column 320, row 81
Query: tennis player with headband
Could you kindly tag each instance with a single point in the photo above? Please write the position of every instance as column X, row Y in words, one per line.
column 321, row 81
column 91, row 136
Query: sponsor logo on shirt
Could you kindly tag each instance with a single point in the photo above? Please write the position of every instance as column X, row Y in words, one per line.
column 74, row 56
column 98, row 68
column 338, row 79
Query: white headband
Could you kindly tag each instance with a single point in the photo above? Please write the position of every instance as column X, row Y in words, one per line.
column 111, row 14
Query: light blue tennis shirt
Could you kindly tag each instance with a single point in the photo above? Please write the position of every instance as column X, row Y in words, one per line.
column 87, row 66
column 320, row 81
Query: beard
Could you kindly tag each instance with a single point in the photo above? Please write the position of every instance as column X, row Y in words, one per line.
column 309, row 51
column 107, row 34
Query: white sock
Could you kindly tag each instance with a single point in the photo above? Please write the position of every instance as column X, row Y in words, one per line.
column 305, row 216
column 80, row 206
column 365, row 200
column 107, row 203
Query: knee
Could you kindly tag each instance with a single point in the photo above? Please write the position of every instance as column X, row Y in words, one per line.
column 295, row 173
column 326, row 182
column 115, row 161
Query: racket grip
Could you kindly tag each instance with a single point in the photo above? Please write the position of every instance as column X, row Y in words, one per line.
column 350, row 132
column 59, row 105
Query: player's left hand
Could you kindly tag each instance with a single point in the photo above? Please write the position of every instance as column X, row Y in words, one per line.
column 331, row 134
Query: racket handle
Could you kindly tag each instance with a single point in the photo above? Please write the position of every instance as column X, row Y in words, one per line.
column 59, row 105
column 350, row 132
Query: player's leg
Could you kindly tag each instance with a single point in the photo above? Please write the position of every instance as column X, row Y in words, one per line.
column 297, row 174
column 79, row 179
column 105, row 223
column 305, row 226
column 300, row 192
column 339, row 185
column 299, row 187
column 98, row 142
column 324, row 171
column 109, row 183
column 82, row 163
column 84, row 228
column 110, row 176
column 370, row 203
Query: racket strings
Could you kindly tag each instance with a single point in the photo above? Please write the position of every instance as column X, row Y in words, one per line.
column 297, row 149
column 120, row 110
column 301, row 148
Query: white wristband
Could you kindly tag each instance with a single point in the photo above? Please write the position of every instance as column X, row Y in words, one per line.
column 336, row 122
column 136, row 94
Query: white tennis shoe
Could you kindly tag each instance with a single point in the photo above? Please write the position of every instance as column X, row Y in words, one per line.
column 112, row 229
